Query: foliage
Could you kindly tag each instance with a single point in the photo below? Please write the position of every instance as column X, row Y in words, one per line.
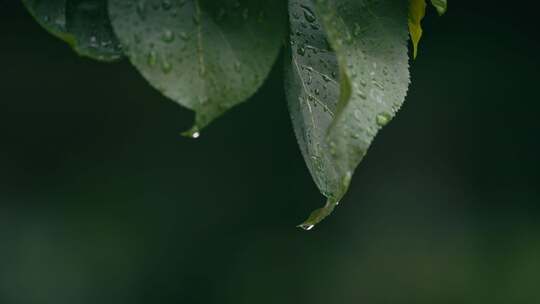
column 346, row 63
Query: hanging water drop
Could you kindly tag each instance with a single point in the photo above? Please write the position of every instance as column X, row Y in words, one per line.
column 307, row 227
column 383, row 119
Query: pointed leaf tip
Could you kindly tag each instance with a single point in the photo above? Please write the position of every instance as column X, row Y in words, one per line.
column 417, row 11
column 194, row 133
column 319, row 215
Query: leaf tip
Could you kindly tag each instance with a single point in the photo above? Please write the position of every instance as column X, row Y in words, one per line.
column 318, row 215
column 306, row 226
column 194, row 132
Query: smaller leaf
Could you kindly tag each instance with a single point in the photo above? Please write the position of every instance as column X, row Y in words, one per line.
column 83, row 24
column 346, row 77
column 417, row 11
column 206, row 55
column 440, row 5
column 51, row 15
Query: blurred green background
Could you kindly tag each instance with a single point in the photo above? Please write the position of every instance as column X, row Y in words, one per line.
column 101, row 200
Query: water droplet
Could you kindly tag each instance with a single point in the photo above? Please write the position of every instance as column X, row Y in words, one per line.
column 380, row 86
column 152, row 58
column 361, row 94
column 383, row 119
column 168, row 36
column 184, row 36
column 358, row 114
column 308, row 14
column 307, row 227
column 347, row 179
column 166, row 67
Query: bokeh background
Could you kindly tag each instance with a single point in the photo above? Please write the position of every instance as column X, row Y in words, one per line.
column 101, row 200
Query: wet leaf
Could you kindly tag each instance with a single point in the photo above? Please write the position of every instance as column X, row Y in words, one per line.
column 88, row 21
column 344, row 84
column 51, row 15
column 206, row 55
column 83, row 24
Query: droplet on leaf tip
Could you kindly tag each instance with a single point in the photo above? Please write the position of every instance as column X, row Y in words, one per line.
column 306, row 227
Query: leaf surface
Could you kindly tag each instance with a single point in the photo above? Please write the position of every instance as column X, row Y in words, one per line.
column 88, row 21
column 51, row 15
column 347, row 74
column 83, row 24
column 207, row 55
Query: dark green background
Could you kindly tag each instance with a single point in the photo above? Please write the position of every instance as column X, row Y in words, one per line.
column 101, row 200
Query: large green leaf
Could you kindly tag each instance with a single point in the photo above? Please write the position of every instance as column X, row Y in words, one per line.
column 207, row 55
column 88, row 21
column 337, row 109
column 83, row 24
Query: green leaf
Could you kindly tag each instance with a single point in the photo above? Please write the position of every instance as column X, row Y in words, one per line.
column 51, row 15
column 83, row 24
column 440, row 5
column 417, row 11
column 341, row 95
column 88, row 21
column 207, row 55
